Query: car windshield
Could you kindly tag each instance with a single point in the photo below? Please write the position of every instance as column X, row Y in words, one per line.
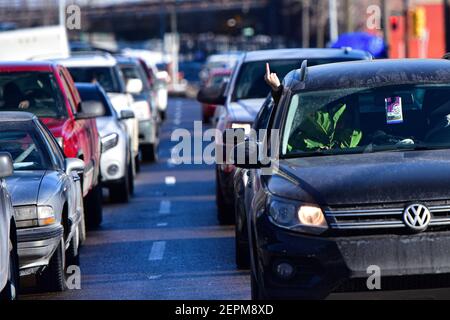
column 395, row 117
column 105, row 76
column 35, row 92
column 26, row 148
column 134, row 72
column 250, row 83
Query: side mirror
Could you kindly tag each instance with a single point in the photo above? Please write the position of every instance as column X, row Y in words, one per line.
column 6, row 165
column 212, row 95
column 245, row 152
column 126, row 114
column 74, row 165
column 134, row 86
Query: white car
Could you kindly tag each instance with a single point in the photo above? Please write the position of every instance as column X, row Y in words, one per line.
column 102, row 68
column 9, row 264
column 116, row 165
column 144, row 107
column 159, row 79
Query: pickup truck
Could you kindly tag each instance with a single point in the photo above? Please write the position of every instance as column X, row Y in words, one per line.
column 47, row 90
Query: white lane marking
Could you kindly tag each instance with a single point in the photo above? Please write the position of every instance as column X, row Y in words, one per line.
column 154, row 277
column 170, row 180
column 157, row 252
column 178, row 103
column 162, row 224
column 164, row 207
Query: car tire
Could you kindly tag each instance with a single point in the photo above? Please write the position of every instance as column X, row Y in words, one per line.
column 53, row 278
column 130, row 179
column 82, row 226
column 149, row 153
column 242, row 247
column 73, row 251
column 163, row 115
column 137, row 164
column 256, row 291
column 12, row 286
column 94, row 207
column 120, row 193
column 224, row 212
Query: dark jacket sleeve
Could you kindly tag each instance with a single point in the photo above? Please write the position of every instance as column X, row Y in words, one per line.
column 276, row 94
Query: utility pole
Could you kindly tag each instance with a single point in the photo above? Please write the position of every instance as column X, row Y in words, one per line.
column 175, row 43
column 348, row 15
column 332, row 7
column 62, row 12
column 386, row 24
column 447, row 24
column 407, row 27
column 305, row 23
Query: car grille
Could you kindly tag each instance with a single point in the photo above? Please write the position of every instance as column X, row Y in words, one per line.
column 382, row 218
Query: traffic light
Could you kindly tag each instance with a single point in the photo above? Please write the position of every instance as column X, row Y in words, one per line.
column 419, row 22
column 394, row 22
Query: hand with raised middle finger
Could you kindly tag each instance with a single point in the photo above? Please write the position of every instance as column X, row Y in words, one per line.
column 271, row 78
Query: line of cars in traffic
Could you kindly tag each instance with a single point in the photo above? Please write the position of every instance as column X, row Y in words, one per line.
column 68, row 129
column 358, row 176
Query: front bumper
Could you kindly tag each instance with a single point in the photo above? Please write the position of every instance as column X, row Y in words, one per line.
column 37, row 245
column 147, row 132
column 113, row 163
column 324, row 265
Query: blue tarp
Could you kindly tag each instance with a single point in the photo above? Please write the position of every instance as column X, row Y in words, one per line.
column 363, row 41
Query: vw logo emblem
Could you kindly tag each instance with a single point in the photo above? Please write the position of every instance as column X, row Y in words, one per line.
column 417, row 217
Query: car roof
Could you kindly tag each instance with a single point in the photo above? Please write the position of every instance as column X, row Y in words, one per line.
column 18, row 116
column 127, row 60
column 94, row 59
column 371, row 74
column 12, row 66
column 275, row 54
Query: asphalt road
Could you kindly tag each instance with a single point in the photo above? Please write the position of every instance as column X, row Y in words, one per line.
column 166, row 243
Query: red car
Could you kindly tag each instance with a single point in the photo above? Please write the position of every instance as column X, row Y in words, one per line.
column 217, row 77
column 47, row 90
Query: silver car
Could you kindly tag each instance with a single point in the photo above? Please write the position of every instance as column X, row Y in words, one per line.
column 9, row 264
column 46, row 196
column 116, row 162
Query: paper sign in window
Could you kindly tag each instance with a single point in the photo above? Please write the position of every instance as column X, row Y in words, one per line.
column 394, row 110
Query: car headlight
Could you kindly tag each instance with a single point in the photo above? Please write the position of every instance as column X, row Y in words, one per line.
column 246, row 126
column 109, row 142
column 296, row 216
column 33, row 216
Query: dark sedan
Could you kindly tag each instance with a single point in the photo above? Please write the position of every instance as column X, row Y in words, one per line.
column 361, row 179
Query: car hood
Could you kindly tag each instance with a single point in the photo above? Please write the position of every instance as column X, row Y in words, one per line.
column 245, row 110
column 376, row 178
column 24, row 187
column 56, row 126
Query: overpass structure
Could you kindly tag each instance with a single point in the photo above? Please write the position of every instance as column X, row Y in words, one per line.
column 136, row 17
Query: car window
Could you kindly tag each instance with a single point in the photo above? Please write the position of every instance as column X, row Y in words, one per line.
column 68, row 92
column 35, row 92
column 91, row 94
column 56, row 152
column 364, row 120
column 105, row 76
column 250, row 82
column 26, row 148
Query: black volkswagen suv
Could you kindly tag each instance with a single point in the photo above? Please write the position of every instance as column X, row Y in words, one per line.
column 361, row 182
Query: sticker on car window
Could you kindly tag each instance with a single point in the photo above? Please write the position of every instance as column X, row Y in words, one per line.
column 394, row 110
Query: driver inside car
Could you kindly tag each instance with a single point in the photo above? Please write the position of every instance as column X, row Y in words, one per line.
column 14, row 98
